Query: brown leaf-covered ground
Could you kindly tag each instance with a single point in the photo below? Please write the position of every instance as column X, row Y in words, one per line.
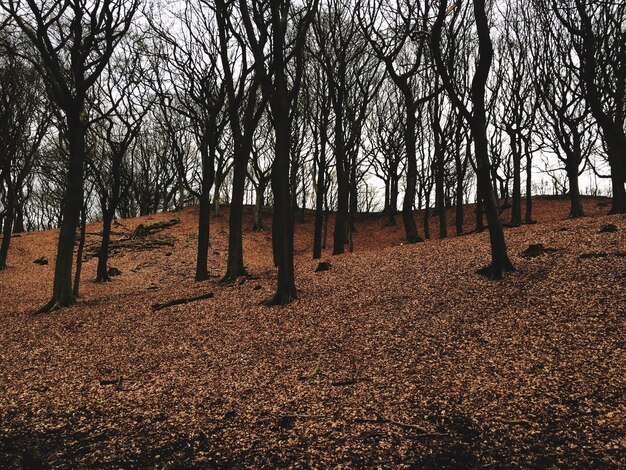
column 399, row 355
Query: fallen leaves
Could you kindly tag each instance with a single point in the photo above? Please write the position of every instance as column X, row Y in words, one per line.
column 405, row 341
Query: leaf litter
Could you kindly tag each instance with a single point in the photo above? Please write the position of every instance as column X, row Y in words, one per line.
column 398, row 355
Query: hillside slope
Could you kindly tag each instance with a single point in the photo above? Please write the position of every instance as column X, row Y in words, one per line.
column 399, row 354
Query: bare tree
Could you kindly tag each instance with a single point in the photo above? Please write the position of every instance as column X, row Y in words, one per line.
column 245, row 108
column 477, row 120
column 74, row 40
column 281, row 26
column 599, row 39
column 569, row 132
column 120, row 105
column 193, row 64
column 24, row 120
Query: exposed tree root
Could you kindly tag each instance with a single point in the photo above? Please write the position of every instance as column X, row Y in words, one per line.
column 280, row 298
column 231, row 276
column 414, row 239
column 496, row 273
column 51, row 306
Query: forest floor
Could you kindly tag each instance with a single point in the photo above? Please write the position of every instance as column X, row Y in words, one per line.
column 399, row 355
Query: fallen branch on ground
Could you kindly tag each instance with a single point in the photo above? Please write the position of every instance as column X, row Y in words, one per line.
column 184, row 300
column 143, row 230
column 130, row 244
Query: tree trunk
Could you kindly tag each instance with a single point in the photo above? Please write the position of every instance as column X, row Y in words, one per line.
column 303, row 208
column 258, row 206
column 6, row 232
column 283, row 217
column 202, row 268
column 616, row 150
column 102, row 271
column 235, row 267
column 216, row 194
column 439, row 173
column 79, row 252
column 528, row 217
column 427, row 215
column 500, row 262
column 459, row 205
column 18, row 221
column 339, row 235
column 576, row 207
column 392, row 207
column 354, row 196
column 410, row 228
column 460, row 175
column 516, row 210
column 319, row 196
column 479, row 210
column 62, row 290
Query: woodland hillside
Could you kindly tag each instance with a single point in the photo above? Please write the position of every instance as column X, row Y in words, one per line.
column 397, row 355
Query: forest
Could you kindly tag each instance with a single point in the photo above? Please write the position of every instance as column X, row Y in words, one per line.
column 312, row 233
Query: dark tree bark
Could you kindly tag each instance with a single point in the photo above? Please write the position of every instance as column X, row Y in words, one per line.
column 244, row 111
column 79, row 252
column 322, row 137
column 389, row 53
column 440, row 154
column 528, row 215
column 90, row 33
column 477, row 121
column 461, row 170
column 24, row 119
column 6, row 231
column 605, row 91
column 275, row 87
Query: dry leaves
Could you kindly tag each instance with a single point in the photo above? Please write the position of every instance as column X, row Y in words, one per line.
column 436, row 366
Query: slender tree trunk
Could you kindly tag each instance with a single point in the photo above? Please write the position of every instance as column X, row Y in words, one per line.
column 392, row 207
column 387, row 208
column 516, row 210
column 410, row 228
column 303, row 208
column 339, row 236
column 460, row 172
column 528, row 217
column 18, row 220
column 258, row 206
column 439, row 172
column 319, row 196
column 354, row 196
column 325, row 236
column 202, row 268
column 616, row 150
column 6, row 231
column 79, row 252
column 216, row 194
column 500, row 262
column 459, row 204
column 282, row 223
column 102, row 271
column 427, row 215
